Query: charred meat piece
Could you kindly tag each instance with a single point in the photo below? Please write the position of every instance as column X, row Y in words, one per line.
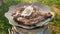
column 35, row 17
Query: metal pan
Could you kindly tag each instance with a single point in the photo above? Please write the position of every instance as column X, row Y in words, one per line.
column 42, row 8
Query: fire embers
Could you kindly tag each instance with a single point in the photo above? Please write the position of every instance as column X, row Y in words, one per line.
column 36, row 16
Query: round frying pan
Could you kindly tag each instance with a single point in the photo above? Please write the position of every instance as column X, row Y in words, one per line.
column 13, row 8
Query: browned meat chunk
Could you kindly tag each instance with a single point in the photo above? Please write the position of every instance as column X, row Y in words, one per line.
column 35, row 17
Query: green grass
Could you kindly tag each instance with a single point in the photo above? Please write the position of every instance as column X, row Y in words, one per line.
column 4, row 24
column 52, row 2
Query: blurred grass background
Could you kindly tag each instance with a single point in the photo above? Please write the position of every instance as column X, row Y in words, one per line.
column 53, row 4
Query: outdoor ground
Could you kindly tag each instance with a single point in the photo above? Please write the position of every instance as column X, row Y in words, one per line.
column 53, row 4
